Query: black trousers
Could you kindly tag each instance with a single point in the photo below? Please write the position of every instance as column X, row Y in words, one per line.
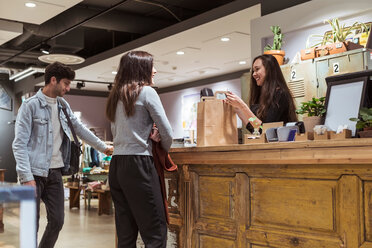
column 136, row 193
column 50, row 191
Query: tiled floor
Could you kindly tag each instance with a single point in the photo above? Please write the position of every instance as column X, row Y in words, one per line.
column 82, row 228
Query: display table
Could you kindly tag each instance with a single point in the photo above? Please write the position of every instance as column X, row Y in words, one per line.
column 96, row 177
column 104, row 200
column 300, row 194
column 74, row 196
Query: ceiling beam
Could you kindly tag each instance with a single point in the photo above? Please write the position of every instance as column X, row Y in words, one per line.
column 205, row 81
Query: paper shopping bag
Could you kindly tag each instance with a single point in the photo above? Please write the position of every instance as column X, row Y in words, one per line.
column 216, row 123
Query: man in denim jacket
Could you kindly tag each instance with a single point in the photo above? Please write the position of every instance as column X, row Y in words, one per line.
column 42, row 146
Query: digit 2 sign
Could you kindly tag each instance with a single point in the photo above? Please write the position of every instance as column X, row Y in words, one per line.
column 336, row 68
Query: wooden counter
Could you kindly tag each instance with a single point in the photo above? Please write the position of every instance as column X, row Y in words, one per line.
column 305, row 194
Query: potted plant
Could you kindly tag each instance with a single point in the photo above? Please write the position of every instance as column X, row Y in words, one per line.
column 364, row 122
column 315, row 111
column 334, row 41
column 275, row 49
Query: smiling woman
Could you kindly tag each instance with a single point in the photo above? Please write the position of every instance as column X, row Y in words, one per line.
column 270, row 98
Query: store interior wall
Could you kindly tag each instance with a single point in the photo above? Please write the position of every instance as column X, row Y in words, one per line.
column 92, row 111
column 7, row 118
column 305, row 19
column 172, row 102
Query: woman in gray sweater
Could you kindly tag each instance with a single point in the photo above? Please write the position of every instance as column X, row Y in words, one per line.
column 133, row 107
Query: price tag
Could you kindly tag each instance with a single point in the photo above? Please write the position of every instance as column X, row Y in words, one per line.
column 293, row 74
column 336, row 68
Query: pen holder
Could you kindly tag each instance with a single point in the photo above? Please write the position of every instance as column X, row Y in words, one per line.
column 304, row 136
column 345, row 134
column 248, row 140
column 324, row 136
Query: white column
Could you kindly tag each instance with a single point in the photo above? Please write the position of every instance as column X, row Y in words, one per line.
column 28, row 224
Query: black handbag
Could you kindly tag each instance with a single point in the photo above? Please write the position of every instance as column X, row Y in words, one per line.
column 75, row 147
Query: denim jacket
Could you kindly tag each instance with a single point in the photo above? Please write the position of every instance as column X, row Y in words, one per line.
column 33, row 142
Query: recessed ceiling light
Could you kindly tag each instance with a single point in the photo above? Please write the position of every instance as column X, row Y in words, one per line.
column 242, row 62
column 63, row 58
column 224, row 39
column 30, row 5
column 114, row 72
column 180, row 53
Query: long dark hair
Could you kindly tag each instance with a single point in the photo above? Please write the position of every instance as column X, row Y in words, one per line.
column 274, row 83
column 135, row 71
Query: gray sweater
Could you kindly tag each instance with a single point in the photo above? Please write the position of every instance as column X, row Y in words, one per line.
column 131, row 134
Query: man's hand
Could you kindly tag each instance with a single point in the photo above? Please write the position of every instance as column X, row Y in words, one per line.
column 30, row 183
column 109, row 150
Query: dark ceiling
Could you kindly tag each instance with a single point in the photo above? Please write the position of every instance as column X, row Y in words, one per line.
column 95, row 26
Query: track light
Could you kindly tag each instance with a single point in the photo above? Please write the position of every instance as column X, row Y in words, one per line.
column 25, row 73
column 80, row 85
column 109, row 87
column 45, row 48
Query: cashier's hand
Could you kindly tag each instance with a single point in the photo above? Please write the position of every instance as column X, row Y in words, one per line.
column 233, row 100
column 109, row 150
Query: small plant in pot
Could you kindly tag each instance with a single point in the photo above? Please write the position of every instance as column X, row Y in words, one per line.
column 364, row 122
column 333, row 41
column 315, row 111
column 276, row 48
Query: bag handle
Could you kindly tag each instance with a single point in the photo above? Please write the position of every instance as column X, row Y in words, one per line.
column 214, row 97
column 70, row 124
column 207, row 98
column 220, row 92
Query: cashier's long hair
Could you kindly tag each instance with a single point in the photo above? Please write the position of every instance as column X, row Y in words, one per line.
column 274, row 83
column 135, row 71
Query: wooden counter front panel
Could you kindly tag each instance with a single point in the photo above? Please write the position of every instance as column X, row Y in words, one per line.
column 218, row 218
column 244, row 210
column 293, row 204
column 368, row 209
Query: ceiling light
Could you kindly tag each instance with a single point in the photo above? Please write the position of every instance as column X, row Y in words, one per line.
column 242, row 62
column 25, row 73
column 180, row 53
column 80, row 85
column 66, row 59
column 45, row 48
column 30, row 5
column 114, row 72
column 225, row 39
